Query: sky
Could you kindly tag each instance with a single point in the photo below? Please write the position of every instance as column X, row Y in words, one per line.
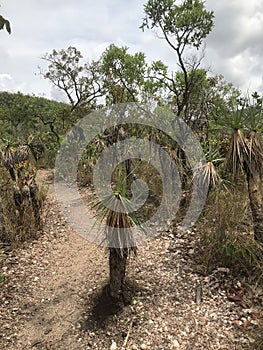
column 234, row 48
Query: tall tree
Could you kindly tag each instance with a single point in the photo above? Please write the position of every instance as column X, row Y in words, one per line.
column 246, row 153
column 79, row 81
column 183, row 26
column 123, row 74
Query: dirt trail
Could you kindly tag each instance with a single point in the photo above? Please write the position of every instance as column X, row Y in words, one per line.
column 52, row 298
column 59, row 266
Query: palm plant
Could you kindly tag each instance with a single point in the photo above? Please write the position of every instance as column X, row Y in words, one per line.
column 20, row 194
column 246, row 154
column 206, row 173
column 117, row 212
column 253, row 167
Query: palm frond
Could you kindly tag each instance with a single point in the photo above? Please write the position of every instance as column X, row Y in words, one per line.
column 21, row 154
column 1, row 157
column 238, row 152
column 255, row 154
column 237, row 118
column 117, row 212
column 9, row 157
column 206, row 175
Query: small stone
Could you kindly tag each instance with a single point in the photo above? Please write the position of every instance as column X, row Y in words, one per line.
column 144, row 347
column 134, row 347
column 113, row 345
column 175, row 344
column 48, row 330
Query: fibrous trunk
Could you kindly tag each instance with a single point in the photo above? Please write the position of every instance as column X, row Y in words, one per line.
column 2, row 221
column 118, row 262
column 256, row 203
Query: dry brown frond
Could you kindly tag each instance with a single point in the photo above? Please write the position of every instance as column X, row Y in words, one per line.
column 1, row 157
column 119, row 227
column 238, row 152
column 9, row 157
column 255, row 154
column 206, row 175
column 21, row 154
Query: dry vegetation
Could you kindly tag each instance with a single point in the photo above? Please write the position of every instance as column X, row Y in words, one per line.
column 55, row 296
column 20, row 198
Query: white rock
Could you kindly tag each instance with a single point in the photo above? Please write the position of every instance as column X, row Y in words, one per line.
column 113, row 345
column 176, row 344
column 134, row 347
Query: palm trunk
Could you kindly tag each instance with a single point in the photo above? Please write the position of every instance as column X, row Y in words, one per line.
column 256, row 203
column 2, row 222
column 35, row 204
column 129, row 177
column 118, row 262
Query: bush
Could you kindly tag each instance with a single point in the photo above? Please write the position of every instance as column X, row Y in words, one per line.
column 227, row 234
column 20, row 197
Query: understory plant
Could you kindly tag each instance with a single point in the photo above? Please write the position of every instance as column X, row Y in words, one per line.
column 226, row 233
column 20, row 197
column 245, row 156
column 116, row 211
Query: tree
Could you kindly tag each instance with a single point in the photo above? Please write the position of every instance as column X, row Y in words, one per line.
column 32, row 120
column 117, row 210
column 246, row 153
column 123, row 74
column 80, row 82
column 183, row 26
column 21, row 199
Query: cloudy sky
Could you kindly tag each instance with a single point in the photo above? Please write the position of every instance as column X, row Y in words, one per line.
column 234, row 48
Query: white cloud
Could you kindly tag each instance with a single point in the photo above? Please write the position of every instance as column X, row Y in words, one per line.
column 234, row 47
column 6, row 82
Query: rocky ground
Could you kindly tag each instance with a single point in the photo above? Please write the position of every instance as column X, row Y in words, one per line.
column 54, row 296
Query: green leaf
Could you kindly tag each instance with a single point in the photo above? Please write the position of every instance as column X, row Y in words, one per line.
column 4, row 23
column 8, row 27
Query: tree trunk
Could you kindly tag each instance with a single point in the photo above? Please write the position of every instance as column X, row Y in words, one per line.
column 2, row 222
column 34, row 191
column 129, row 175
column 118, row 262
column 256, row 203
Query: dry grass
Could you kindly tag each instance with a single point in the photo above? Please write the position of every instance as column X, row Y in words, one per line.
column 20, row 198
column 227, row 234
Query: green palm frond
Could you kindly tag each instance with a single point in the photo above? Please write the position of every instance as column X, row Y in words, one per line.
column 118, row 213
column 255, row 113
column 237, row 118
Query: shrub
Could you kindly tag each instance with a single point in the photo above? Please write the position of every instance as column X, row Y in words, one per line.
column 20, row 197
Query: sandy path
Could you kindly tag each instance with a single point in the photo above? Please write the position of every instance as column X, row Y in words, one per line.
column 51, row 297
column 64, row 269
